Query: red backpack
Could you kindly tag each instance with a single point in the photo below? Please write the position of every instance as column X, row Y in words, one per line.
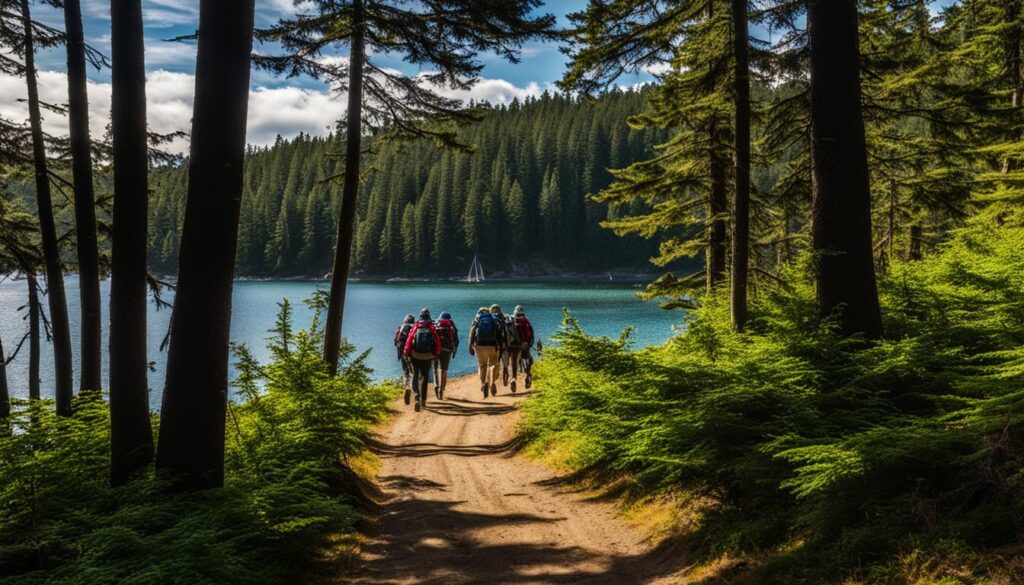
column 446, row 331
column 525, row 329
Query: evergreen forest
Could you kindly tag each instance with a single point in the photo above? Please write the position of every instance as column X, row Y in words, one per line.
column 829, row 194
column 519, row 198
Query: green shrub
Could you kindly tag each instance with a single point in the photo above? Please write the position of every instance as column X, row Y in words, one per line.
column 286, row 490
column 836, row 454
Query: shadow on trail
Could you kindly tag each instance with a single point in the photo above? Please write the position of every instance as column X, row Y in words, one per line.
column 433, row 449
column 437, row 547
column 460, row 407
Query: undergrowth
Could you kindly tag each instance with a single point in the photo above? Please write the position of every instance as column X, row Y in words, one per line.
column 287, row 489
column 827, row 460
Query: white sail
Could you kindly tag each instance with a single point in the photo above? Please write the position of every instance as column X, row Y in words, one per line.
column 476, row 271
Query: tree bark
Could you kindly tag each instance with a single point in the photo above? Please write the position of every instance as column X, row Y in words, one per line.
column 85, row 202
column 33, row 336
column 349, row 194
column 916, row 233
column 741, row 201
column 841, row 211
column 191, row 447
column 60, row 328
column 131, row 434
column 5, row 393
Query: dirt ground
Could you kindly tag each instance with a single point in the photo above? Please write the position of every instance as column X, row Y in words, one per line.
column 459, row 507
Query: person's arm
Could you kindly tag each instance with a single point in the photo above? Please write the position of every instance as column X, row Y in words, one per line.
column 455, row 339
column 472, row 338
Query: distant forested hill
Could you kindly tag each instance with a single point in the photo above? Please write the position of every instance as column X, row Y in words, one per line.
column 520, row 199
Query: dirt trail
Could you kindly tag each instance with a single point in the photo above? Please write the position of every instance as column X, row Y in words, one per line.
column 461, row 508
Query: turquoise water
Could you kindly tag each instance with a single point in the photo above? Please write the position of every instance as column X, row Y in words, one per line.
column 372, row 312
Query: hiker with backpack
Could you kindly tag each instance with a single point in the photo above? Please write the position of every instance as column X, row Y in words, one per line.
column 449, row 335
column 510, row 349
column 485, row 344
column 422, row 347
column 401, row 336
column 524, row 338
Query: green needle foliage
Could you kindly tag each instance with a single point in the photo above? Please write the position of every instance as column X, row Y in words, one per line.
column 287, row 490
column 824, row 459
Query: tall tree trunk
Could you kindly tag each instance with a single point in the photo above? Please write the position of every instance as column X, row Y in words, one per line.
column 85, row 202
column 191, row 448
column 350, row 191
column 914, row 250
column 1013, row 69
column 741, row 202
column 33, row 336
column 5, row 394
column 48, row 231
column 131, row 435
column 841, row 211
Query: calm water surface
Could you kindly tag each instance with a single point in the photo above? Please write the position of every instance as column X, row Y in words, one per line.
column 372, row 312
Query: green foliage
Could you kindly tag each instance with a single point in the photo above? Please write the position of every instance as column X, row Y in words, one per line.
column 825, row 456
column 287, row 487
column 498, row 201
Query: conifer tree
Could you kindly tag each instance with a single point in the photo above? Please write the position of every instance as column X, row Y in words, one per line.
column 841, row 220
column 131, row 433
column 90, row 321
column 56, row 295
column 191, row 446
column 439, row 35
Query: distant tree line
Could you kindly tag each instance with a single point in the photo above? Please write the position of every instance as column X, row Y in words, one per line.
column 520, row 198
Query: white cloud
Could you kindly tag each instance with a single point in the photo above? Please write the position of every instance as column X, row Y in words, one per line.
column 273, row 111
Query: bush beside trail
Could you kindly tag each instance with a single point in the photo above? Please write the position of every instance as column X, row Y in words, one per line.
column 288, row 489
column 818, row 459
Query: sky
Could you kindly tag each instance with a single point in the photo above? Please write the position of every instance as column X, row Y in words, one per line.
column 277, row 106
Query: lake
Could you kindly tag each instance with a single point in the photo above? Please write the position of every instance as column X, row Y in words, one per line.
column 372, row 313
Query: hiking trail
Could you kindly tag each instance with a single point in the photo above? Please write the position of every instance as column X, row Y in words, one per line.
column 460, row 507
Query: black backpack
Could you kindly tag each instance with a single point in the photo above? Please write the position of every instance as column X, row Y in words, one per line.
column 511, row 331
column 424, row 341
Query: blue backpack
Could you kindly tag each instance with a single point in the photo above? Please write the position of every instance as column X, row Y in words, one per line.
column 486, row 329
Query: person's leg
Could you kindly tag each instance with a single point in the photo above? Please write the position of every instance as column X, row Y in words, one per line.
column 492, row 370
column 528, row 366
column 422, row 379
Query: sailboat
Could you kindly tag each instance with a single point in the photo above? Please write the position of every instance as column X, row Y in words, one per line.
column 476, row 271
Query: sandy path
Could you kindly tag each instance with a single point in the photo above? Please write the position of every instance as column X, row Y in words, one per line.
column 461, row 508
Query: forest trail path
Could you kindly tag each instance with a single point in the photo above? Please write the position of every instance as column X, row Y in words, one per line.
column 461, row 508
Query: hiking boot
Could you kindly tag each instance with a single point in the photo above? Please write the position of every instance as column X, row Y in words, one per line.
column 529, row 381
column 513, row 386
column 417, row 407
column 484, row 390
column 440, row 393
column 408, row 396
column 494, row 389
column 437, row 392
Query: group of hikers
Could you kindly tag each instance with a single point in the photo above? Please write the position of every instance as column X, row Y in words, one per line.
column 425, row 346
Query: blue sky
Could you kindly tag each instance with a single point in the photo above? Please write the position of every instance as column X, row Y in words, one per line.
column 277, row 106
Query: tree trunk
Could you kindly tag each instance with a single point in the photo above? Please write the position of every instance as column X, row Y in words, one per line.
column 33, row 336
column 841, row 212
column 1013, row 68
column 48, row 232
column 191, row 447
column 5, row 394
column 131, row 434
column 916, row 233
column 85, row 202
column 741, row 202
column 350, row 191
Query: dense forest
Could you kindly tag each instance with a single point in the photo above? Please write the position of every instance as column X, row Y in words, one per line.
column 519, row 198
column 832, row 190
